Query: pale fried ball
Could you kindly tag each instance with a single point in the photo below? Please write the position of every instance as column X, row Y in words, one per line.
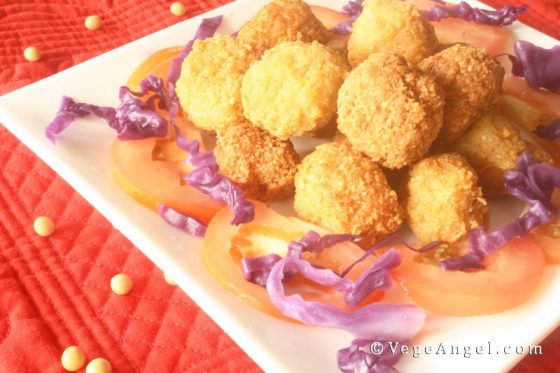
column 491, row 146
column 281, row 20
column 391, row 26
column 262, row 165
column 443, row 199
column 344, row 191
column 390, row 111
column 209, row 88
column 292, row 90
column 472, row 81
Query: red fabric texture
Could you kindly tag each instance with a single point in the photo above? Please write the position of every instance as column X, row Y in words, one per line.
column 55, row 292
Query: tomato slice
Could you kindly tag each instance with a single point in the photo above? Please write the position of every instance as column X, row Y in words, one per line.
column 509, row 277
column 448, row 31
column 150, row 170
column 270, row 232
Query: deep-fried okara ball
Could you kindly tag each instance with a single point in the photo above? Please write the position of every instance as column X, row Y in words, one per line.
column 491, row 146
column 443, row 199
column 209, row 88
column 390, row 111
column 262, row 165
column 344, row 191
column 281, row 20
column 472, row 81
column 391, row 26
column 292, row 90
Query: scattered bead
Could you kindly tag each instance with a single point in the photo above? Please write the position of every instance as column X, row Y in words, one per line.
column 32, row 54
column 44, row 226
column 178, row 9
column 121, row 284
column 169, row 280
column 93, row 22
column 73, row 359
column 99, row 365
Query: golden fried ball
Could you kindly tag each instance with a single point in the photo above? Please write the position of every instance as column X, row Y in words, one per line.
column 346, row 192
column 491, row 145
column 209, row 88
column 391, row 26
column 390, row 111
column 281, row 20
column 292, row 90
column 472, row 81
column 443, row 199
column 262, row 165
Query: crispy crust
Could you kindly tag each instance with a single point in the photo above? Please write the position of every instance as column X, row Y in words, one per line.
column 346, row 192
column 292, row 90
column 472, row 81
column 262, row 165
column 390, row 111
column 209, row 88
column 279, row 21
column 443, row 200
column 391, row 26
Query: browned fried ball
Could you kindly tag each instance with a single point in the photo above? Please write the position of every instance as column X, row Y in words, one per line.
column 443, row 200
column 389, row 110
column 472, row 81
column 344, row 191
column 281, row 20
column 262, row 165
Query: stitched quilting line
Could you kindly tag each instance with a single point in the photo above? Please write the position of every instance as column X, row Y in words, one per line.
column 155, row 299
column 68, row 297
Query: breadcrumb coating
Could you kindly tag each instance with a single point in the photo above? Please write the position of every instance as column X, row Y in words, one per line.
column 209, row 88
column 281, row 20
column 262, row 165
column 443, row 199
column 491, row 146
column 346, row 192
column 391, row 26
column 292, row 90
column 472, row 81
column 390, row 111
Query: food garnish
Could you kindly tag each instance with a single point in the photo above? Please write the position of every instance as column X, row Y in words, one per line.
column 503, row 17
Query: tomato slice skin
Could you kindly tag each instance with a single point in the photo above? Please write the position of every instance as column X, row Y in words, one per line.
column 223, row 263
column 157, row 64
column 508, row 279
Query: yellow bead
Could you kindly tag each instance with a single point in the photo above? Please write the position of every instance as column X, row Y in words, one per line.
column 178, row 9
column 73, row 359
column 93, row 22
column 169, row 280
column 44, row 226
column 121, row 284
column 32, row 54
column 99, row 365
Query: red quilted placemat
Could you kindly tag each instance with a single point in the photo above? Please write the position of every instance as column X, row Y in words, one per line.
column 55, row 292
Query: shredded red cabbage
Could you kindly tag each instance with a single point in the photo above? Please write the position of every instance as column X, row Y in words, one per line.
column 179, row 220
column 135, row 118
column 353, row 9
column 539, row 66
column 550, row 131
column 256, row 270
column 502, row 17
column 532, row 183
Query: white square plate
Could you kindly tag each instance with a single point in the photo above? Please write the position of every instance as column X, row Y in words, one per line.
column 81, row 158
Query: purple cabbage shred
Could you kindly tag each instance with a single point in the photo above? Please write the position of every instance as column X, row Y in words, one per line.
column 502, row 17
column 179, row 220
column 539, row 66
column 532, row 183
column 550, row 131
column 358, row 357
